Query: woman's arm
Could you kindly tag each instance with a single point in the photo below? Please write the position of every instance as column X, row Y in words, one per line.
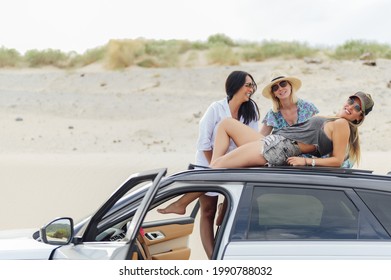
column 340, row 133
column 206, row 127
column 208, row 155
column 303, row 161
column 266, row 130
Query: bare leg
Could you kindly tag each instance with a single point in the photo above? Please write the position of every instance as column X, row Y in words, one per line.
column 179, row 206
column 221, row 212
column 230, row 128
column 247, row 155
column 208, row 213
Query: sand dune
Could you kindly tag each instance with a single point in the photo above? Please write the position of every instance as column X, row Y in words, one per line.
column 69, row 138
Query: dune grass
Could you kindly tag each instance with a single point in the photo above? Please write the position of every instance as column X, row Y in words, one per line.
column 37, row 58
column 9, row 57
column 270, row 49
column 219, row 49
column 354, row 49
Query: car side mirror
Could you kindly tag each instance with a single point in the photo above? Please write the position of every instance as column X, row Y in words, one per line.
column 57, row 232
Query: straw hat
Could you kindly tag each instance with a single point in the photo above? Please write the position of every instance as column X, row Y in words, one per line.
column 278, row 77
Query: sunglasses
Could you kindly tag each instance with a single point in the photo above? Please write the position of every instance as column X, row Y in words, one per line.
column 281, row 84
column 356, row 106
column 251, row 85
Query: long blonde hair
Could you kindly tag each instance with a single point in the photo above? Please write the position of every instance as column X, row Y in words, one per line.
column 354, row 144
column 353, row 150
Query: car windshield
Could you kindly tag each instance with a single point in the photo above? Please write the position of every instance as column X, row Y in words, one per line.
column 125, row 207
column 120, row 208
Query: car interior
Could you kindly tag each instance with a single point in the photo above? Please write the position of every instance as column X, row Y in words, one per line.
column 167, row 236
column 163, row 236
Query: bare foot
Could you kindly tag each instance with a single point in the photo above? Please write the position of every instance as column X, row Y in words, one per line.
column 173, row 208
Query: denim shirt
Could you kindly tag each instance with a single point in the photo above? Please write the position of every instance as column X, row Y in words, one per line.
column 305, row 110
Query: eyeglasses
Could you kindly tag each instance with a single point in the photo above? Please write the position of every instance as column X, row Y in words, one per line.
column 251, row 85
column 281, row 84
column 356, row 106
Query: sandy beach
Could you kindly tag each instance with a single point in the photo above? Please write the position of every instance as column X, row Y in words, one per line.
column 71, row 137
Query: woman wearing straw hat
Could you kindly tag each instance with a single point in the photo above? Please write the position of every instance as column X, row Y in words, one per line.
column 287, row 108
column 318, row 136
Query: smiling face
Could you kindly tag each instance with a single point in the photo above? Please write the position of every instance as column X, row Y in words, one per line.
column 248, row 89
column 282, row 90
column 352, row 110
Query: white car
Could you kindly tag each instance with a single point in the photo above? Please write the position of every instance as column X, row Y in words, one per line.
column 273, row 213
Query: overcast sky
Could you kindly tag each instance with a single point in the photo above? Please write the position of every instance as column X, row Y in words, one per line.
column 84, row 24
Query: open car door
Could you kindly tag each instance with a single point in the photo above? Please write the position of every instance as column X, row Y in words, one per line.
column 113, row 230
column 167, row 237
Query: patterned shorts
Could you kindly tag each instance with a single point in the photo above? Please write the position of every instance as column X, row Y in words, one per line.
column 277, row 149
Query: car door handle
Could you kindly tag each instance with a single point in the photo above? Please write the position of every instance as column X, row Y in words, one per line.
column 155, row 235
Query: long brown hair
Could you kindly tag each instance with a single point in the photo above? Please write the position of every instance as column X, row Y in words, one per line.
column 248, row 110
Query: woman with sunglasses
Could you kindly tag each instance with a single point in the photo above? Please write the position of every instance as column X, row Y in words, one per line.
column 287, row 108
column 238, row 105
column 319, row 136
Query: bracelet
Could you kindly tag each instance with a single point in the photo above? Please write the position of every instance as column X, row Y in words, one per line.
column 313, row 162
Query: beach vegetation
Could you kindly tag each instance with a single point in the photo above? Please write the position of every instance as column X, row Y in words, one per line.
column 91, row 56
column 145, row 53
column 220, row 39
column 355, row 49
column 217, row 49
column 52, row 57
column 222, row 54
column 273, row 49
column 199, row 46
column 9, row 57
column 149, row 62
column 166, row 53
column 123, row 53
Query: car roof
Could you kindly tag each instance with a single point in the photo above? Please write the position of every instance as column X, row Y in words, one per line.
column 328, row 176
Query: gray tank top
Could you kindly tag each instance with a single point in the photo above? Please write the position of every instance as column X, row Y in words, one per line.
column 309, row 132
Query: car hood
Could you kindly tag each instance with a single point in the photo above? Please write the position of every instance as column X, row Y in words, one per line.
column 20, row 245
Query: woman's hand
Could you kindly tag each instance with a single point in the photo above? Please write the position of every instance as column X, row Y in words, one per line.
column 296, row 161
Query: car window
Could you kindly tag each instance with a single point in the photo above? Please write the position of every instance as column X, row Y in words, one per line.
column 380, row 205
column 298, row 213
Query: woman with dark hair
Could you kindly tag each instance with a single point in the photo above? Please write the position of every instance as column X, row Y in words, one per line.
column 237, row 105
